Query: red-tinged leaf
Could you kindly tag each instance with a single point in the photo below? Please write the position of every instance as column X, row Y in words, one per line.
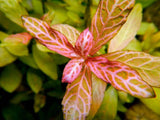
column 49, row 37
column 70, row 32
column 84, row 42
column 98, row 89
column 72, row 70
column 110, row 16
column 77, row 99
column 121, row 76
column 146, row 65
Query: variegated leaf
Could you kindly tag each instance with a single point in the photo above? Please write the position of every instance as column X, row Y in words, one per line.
column 70, row 32
column 128, row 30
column 121, row 76
column 146, row 65
column 110, row 16
column 77, row 99
column 84, row 43
column 49, row 37
column 72, row 70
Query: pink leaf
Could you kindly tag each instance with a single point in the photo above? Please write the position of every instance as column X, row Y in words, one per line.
column 72, row 70
column 121, row 76
column 110, row 16
column 49, row 37
column 77, row 99
column 84, row 42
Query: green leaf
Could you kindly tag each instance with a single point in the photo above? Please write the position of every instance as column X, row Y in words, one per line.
column 28, row 60
column 45, row 63
column 134, row 45
column 10, row 78
column 39, row 102
column 59, row 59
column 34, row 81
column 3, row 35
column 125, row 97
column 153, row 103
column 145, row 3
column 128, row 30
column 5, row 57
column 13, row 10
column 98, row 90
column 37, row 6
column 17, row 43
column 146, row 65
column 108, row 109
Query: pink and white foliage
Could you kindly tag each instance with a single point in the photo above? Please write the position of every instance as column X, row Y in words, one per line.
column 84, row 43
column 109, row 17
column 72, row 70
column 121, row 76
column 52, row 39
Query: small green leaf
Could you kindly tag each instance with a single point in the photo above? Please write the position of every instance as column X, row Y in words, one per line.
column 145, row 3
column 128, row 30
column 108, row 109
column 28, row 60
column 10, row 78
column 125, row 97
column 134, row 45
column 34, row 81
column 5, row 57
column 45, row 62
column 39, row 102
column 3, row 35
column 13, row 10
column 37, row 6
column 59, row 59
column 153, row 103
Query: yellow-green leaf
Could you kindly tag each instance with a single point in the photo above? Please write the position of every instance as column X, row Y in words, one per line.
column 153, row 103
column 108, row 109
column 5, row 57
column 34, row 81
column 13, row 10
column 45, row 62
column 10, row 78
column 128, row 30
column 146, row 65
column 98, row 89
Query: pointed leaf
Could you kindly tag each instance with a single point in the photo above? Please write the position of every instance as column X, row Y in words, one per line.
column 146, row 65
column 70, row 32
column 84, row 42
column 34, row 81
column 45, row 63
column 10, row 78
column 108, row 109
column 77, row 99
column 49, row 37
column 128, row 30
column 121, row 76
column 39, row 102
column 72, row 70
column 98, row 89
column 110, row 16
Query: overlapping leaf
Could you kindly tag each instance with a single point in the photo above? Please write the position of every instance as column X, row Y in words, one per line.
column 128, row 30
column 49, row 37
column 109, row 18
column 72, row 70
column 70, row 32
column 146, row 65
column 84, row 42
column 77, row 100
column 121, row 76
